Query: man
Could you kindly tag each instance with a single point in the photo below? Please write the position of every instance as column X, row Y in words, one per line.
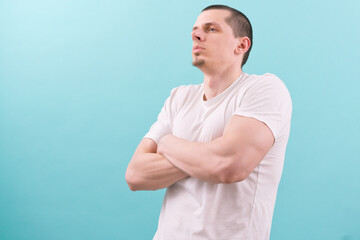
column 218, row 147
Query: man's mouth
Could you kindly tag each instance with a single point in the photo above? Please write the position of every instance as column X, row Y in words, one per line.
column 197, row 49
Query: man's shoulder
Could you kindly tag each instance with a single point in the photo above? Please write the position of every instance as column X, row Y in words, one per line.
column 184, row 90
column 267, row 80
column 264, row 77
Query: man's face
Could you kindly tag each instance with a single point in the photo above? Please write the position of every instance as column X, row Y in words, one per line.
column 213, row 40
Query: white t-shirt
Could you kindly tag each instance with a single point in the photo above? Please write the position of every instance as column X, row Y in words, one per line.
column 194, row 209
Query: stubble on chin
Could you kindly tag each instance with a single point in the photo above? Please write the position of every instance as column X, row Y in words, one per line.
column 198, row 62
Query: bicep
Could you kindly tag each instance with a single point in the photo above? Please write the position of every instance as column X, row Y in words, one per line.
column 146, row 145
column 248, row 140
column 250, row 132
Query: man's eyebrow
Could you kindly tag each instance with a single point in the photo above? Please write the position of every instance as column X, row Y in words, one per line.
column 207, row 24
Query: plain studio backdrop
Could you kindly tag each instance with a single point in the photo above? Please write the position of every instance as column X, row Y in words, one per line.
column 82, row 81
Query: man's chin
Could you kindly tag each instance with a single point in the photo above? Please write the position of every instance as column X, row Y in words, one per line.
column 198, row 62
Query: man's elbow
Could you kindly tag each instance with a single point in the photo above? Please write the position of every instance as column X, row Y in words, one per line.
column 131, row 180
column 137, row 182
column 228, row 177
column 232, row 172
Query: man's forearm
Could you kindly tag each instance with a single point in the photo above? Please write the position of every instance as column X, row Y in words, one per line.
column 227, row 159
column 197, row 159
column 151, row 171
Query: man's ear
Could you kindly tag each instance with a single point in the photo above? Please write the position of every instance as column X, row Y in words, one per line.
column 242, row 46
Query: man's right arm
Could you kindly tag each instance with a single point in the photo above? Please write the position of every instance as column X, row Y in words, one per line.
column 148, row 170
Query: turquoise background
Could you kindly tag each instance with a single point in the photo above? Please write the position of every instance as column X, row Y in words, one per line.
column 82, row 81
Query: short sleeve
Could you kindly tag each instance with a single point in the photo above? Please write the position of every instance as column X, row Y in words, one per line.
column 163, row 125
column 267, row 100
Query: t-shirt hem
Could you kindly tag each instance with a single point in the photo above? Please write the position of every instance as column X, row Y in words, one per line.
column 155, row 139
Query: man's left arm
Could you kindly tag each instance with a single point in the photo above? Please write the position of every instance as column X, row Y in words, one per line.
column 227, row 159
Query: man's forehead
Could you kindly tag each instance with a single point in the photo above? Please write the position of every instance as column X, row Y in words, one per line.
column 213, row 15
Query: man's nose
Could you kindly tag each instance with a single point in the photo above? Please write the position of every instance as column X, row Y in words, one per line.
column 197, row 35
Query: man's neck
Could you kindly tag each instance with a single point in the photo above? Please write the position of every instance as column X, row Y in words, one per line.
column 216, row 83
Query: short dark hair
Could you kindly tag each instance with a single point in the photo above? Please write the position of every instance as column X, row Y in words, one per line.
column 239, row 23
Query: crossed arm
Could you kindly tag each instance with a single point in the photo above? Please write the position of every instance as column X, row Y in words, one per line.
column 227, row 159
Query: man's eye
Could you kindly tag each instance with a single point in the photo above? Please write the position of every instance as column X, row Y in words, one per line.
column 212, row 29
